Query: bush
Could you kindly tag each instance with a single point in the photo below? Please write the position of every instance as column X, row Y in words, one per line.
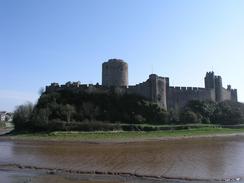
column 229, row 113
column 204, row 109
column 64, row 107
column 22, row 116
column 82, row 126
column 189, row 117
column 69, row 110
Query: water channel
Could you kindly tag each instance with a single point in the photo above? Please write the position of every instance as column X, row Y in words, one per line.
column 212, row 159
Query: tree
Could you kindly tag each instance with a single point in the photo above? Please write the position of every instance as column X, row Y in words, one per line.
column 188, row 117
column 204, row 109
column 41, row 91
column 68, row 110
column 229, row 113
column 22, row 116
column 40, row 118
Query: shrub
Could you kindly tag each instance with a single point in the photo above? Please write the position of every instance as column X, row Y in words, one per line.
column 229, row 113
column 22, row 116
column 189, row 117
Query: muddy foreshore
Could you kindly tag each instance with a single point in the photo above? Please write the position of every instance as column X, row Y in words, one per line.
column 176, row 159
column 39, row 174
column 112, row 176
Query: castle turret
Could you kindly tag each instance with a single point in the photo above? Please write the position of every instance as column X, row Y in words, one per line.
column 234, row 96
column 210, row 80
column 218, row 89
column 211, row 85
column 158, row 90
column 115, row 73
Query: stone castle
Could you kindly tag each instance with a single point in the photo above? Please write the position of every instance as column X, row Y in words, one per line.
column 156, row 89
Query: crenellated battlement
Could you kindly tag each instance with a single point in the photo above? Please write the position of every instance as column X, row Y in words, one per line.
column 156, row 88
column 74, row 86
column 186, row 89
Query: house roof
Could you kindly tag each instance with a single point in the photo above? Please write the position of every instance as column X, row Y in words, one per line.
column 3, row 113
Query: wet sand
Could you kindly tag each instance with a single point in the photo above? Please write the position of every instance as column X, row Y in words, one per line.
column 197, row 159
column 23, row 176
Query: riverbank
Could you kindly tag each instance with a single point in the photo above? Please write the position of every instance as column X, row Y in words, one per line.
column 122, row 136
column 197, row 159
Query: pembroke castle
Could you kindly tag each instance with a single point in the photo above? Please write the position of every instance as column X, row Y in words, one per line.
column 156, row 89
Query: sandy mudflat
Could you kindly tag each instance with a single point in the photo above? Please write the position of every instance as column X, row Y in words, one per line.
column 199, row 159
column 205, row 158
column 13, row 175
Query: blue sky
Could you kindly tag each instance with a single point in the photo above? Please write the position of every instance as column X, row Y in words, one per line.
column 42, row 41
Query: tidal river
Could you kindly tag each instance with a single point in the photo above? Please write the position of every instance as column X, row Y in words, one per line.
column 210, row 159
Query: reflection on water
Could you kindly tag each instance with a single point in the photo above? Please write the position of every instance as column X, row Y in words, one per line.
column 203, row 158
column 6, row 151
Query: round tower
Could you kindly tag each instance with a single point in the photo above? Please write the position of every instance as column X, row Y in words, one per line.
column 115, row 73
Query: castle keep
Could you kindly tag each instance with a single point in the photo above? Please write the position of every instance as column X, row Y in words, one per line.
column 156, row 89
column 115, row 73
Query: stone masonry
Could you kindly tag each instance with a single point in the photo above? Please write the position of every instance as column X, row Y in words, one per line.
column 156, row 89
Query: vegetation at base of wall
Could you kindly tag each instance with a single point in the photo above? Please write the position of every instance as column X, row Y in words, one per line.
column 68, row 110
column 206, row 112
column 81, row 111
column 22, row 116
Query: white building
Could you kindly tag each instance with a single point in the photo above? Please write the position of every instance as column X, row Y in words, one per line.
column 6, row 116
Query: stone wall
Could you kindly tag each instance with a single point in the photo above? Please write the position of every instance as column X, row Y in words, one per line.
column 154, row 89
column 178, row 97
column 226, row 94
column 55, row 87
column 229, row 94
column 234, row 96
